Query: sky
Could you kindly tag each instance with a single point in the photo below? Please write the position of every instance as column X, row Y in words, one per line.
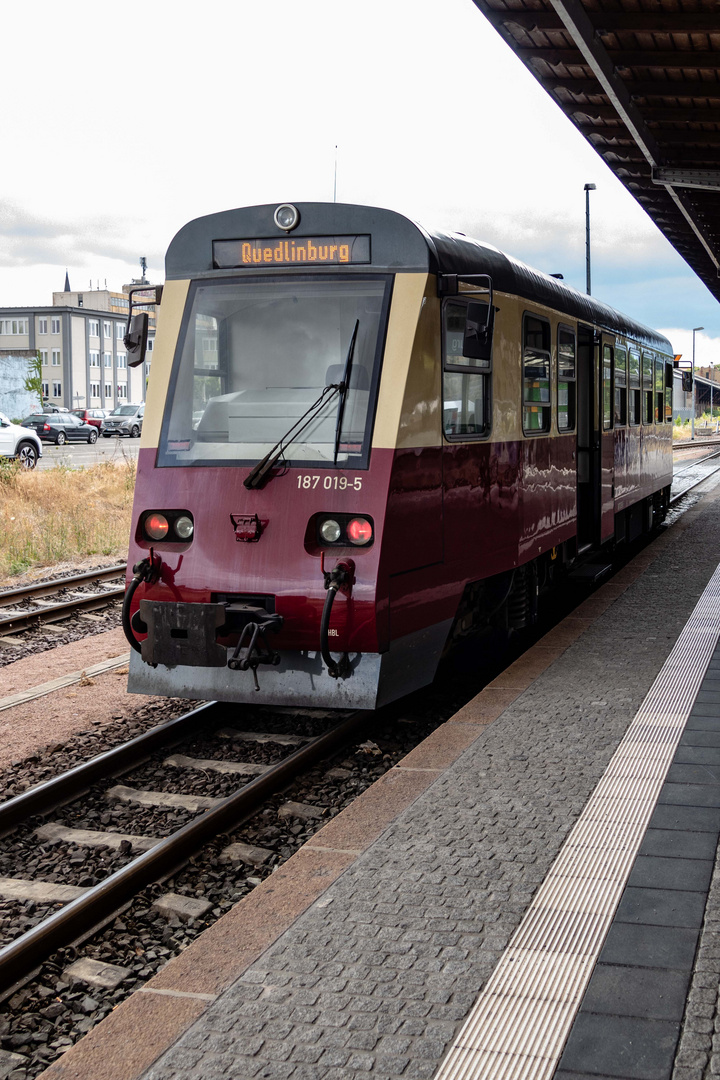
column 119, row 129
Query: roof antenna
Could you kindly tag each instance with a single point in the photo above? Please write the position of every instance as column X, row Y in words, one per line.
column 335, row 180
column 143, row 267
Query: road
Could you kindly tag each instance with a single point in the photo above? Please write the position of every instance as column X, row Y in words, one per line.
column 75, row 455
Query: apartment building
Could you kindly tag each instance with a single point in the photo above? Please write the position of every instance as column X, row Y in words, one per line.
column 80, row 341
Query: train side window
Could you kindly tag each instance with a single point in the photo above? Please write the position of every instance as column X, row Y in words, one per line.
column 537, row 407
column 668, row 393
column 607, row 379
column 466, row 382
column 634, row 387
column 647, row 387
column 659, row 393
column 566, row 383
column 620, row 386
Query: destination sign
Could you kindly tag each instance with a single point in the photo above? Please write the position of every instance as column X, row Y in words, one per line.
column 305, row 250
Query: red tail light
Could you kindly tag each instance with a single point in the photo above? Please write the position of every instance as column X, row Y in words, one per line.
column 46, row 427
column 359, row 531
column 156, row 526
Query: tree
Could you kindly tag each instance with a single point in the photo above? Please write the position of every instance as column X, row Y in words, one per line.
column 33, row 380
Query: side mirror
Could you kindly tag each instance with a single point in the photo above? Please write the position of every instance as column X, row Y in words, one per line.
column 136, row 338
column 477, row 339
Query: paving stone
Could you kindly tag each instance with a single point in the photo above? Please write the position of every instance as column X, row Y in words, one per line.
column 301, row 811
column 644, row 992
column 9, row 1062
column 679, row 844
column 245, row 853
column 95, row 973
column 182, row 907
column 658, row 872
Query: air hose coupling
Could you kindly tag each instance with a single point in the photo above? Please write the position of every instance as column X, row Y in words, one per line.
column 340, row 579
column 147, row 570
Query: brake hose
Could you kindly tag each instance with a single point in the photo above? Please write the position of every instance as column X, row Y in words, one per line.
column 149, row 571
column 333, row 581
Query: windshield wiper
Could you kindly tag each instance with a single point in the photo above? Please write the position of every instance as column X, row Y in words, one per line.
column 344, row 387
column 259, row 474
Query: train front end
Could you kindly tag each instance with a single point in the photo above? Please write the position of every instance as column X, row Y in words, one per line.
column 283, row 344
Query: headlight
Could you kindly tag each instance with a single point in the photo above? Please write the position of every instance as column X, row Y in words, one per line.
column 184, row 527
column 286, row 217
column 330, row 531
column 156, row 526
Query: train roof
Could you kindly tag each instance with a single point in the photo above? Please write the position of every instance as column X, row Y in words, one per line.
column 398, row 244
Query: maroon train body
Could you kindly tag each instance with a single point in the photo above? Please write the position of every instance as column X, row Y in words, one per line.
column 362, row 441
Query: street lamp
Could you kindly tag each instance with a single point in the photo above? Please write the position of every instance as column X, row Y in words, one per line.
column 712, row 380
column 696, row 329
column 588, row 189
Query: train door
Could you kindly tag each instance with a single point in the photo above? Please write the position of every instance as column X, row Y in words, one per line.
column 588, row 442
column 607, row 438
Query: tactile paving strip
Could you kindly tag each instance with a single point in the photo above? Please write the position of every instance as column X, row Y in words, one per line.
column 521, row 1021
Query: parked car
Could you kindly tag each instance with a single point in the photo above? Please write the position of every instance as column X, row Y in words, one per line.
column 124, row 420
column 18, row 443
column 90, row 416
column 61, row 428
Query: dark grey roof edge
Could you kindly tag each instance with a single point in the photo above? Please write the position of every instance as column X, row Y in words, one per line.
column 401, row 244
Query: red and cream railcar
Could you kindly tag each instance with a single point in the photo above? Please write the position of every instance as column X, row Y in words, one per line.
column 362, row 438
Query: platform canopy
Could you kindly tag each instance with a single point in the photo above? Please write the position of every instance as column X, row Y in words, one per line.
column 642, row 84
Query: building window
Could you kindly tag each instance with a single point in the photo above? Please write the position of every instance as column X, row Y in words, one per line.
column 107, row 329
column 537, row 408
column 108, row 359
column 46, row 389
column 151, row 344
column 56, row 358
column 122, row 360
column 94, row 359
column 55, row 325
column 94, row 389
column 94, row 327
column 42, row 326
column 566, row 379
column 43, row 357
column 122, row 391
column 620, row 386
column 634, row 387
column 57, row 389
column 14, row 327
column 466, row 381
column 119, row 330
column 108, row 391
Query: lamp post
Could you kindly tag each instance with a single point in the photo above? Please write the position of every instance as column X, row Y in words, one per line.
column 696, row 330
column 712, row 380
column 588, row 189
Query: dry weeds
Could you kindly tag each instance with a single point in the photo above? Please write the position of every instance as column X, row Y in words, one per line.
column 57, row 515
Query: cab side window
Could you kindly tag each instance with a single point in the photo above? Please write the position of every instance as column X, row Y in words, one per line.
column 466, row 382
column 620, row 386
column 607, row 387
column 537, row 407
column 668, row 393
column 566, row 379
column 659, row 393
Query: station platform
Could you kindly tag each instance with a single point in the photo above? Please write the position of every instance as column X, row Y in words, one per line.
column 532, row 893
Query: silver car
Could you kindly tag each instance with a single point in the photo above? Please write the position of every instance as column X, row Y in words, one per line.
column 124, row 420
column 19, row 443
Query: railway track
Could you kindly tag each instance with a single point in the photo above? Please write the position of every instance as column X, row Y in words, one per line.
column 690, row 476
column 86, row 909
column 37, row 608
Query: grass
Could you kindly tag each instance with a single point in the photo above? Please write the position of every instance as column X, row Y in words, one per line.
column 61, row 514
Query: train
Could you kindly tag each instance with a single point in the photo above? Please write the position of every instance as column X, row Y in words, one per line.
column 365, row 441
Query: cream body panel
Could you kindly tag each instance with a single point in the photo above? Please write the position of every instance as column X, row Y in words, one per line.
column 421, row 417
column 405, row 307
column 169, row 321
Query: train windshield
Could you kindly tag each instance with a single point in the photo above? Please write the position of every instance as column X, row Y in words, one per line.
column 256, row 354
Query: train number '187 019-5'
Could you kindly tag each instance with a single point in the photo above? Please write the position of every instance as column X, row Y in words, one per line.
column 329, row 483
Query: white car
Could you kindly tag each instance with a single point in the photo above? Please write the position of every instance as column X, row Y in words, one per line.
column 19, row 443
